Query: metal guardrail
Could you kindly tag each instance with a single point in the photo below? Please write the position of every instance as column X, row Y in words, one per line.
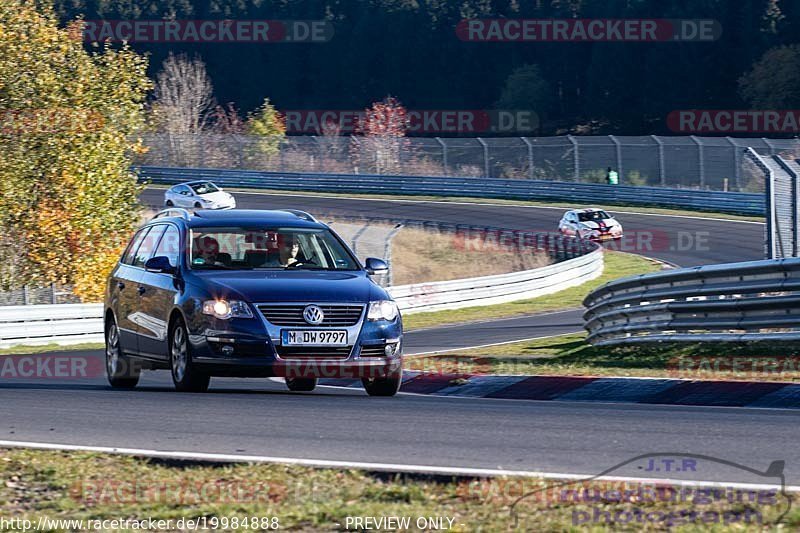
column 490, row 290
column 44, row 324
column 735, row 302
column 702, row 200
column 75, row 323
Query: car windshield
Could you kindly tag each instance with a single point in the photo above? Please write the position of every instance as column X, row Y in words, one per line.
column 592, row 216
column 204, row 188
column 268, row 248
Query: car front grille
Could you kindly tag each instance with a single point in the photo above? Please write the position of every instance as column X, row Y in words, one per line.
column 307, row 352
column 292, row 315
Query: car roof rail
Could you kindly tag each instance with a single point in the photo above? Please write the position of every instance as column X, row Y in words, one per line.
column 173, row 212
column 300, row 214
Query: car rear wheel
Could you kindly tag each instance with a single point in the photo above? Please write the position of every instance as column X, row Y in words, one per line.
column 198, row 205
column 185, row 375
column 301, row 384
column 121, row 371
column 385, row 386
column 170, row 203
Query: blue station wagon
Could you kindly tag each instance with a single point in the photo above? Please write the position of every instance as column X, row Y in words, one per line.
column 247, row 293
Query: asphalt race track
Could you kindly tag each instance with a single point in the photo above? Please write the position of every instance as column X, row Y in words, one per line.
column 260, row 417
column 679, row 240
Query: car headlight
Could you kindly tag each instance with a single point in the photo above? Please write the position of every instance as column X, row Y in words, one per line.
column 382, row 310
column 225, row 309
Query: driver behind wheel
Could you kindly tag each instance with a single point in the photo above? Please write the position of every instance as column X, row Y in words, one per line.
column 289, row 250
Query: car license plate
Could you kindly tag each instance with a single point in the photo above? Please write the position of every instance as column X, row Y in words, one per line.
column 304, row 337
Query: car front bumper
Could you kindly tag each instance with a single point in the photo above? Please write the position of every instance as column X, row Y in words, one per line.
column 246, row 348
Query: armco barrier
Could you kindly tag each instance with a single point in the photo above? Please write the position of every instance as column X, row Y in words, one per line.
column 752, row 301
column 491, row 290
column 74, row 323
column 702, row 200
column 44, row 324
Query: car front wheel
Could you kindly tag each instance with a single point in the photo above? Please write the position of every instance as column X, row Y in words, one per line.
column 121, row 371
column 385, row 386
column 185, row 375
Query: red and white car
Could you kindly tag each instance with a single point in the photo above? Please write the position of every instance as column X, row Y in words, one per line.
column 591, row 223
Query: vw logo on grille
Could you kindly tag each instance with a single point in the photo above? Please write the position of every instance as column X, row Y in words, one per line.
column 313, row 315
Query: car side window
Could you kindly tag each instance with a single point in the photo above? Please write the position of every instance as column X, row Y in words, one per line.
column 130, row 253
column 169, row 245
column 145, row 250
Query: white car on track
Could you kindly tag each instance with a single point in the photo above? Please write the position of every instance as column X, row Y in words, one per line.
column 201, row 194
column 592, row 223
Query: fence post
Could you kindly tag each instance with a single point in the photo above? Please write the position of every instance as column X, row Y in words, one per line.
column 531, row 173
column 661, row 161
column 701, row 160
column 387, row 252
column 444, row 155
column 357, row 150
column 26, row 298
column 737, row 162
column 619, row 155
column 485, row 157
column 575, row 158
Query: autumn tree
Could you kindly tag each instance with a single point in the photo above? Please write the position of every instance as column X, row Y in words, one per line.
column 382, row 137
column 183, row 96
column 269, row 128
column 68, row 119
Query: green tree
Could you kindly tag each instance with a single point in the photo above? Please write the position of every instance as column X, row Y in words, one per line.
column 269, row 126
column 774, row 80
column 526, row 89
column 67, row 117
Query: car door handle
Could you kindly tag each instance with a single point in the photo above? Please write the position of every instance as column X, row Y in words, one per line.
column 141, row 290
column 120, row 285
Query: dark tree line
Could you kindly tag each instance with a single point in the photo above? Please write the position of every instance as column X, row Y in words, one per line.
column 409, row 49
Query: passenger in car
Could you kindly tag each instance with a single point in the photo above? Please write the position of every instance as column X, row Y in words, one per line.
column 207, row 249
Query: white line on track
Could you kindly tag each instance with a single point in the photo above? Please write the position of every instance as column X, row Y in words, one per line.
column 382, row 467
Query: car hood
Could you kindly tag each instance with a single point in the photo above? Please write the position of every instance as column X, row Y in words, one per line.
column 259, row 286
column 219, row 196
column 597, row 224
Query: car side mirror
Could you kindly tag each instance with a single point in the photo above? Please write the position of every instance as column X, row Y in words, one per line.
column 159, row 264
column 376, row 266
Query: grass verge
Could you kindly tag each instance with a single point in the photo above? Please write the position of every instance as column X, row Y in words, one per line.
column 420, row 256
column 617, row 265
column 569, row 355
column 619, row 208
column 29, row 350
column 75, row 486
